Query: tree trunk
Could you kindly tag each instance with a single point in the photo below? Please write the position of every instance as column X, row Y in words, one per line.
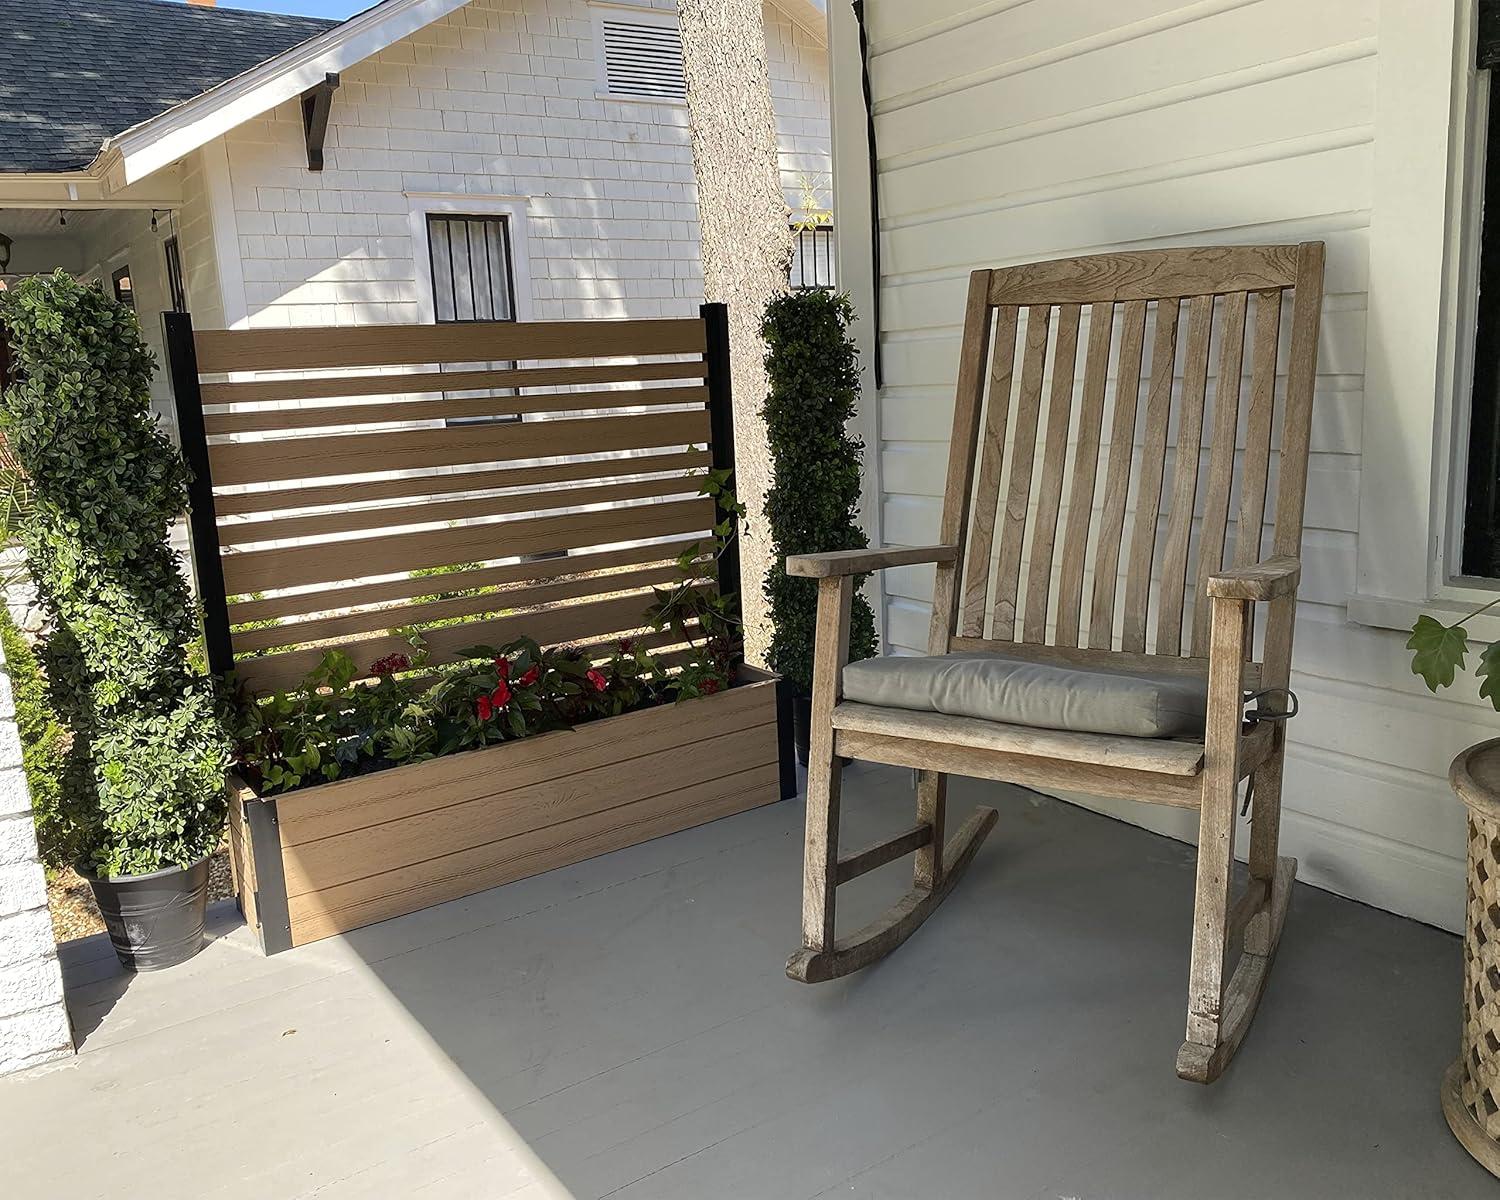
column 747, row 242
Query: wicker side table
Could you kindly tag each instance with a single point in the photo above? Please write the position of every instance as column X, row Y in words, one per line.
column 1471, row 1086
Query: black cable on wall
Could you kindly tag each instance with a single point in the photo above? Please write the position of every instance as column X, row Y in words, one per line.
column 864, row 75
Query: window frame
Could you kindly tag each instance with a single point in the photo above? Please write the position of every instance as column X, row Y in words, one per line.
column 450, row 219
column 116, row 276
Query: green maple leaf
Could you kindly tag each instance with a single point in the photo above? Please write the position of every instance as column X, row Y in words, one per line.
column 1438, row 651
column 1488, row 671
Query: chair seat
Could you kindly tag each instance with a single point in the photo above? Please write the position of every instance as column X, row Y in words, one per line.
column 1039, row 695
column 1160, row 756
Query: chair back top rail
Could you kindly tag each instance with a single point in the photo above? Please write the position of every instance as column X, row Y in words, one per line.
column 1116, row 416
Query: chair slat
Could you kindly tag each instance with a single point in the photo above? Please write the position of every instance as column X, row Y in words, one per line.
column 1054, row 461
column 1221, row 460
column 968, row 396
column 979, row 565
column 1149, row 483
column 1255, row 470
column 1302, row 368
column 1085, row 474
column 1186, row 457
column 1117, row 481
column 1023, row 455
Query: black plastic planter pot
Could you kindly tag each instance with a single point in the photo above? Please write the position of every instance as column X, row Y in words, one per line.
column 802, row 725
column 155, row 921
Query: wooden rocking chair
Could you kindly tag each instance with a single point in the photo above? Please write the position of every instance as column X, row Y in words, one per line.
column 978, row 604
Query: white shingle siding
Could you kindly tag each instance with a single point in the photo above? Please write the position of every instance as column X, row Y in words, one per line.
column 33, row 1020
column 499, row 99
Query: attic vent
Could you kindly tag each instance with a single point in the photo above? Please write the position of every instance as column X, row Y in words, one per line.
column 643, row 59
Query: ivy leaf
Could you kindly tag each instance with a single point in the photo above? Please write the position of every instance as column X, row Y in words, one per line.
column 1488, row 671
column 1437, row 651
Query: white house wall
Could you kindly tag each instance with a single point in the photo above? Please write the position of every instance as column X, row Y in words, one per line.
column 1009, row 133
column 497, row 101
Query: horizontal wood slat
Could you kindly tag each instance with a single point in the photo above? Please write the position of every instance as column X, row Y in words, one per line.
column 364, row 453
column 347, row 416
column 364, row 901
column 424, row 487
column 360, row 558
column 551, row 627
column 349, row 804
column 1146, row 275
column 332, row 387
column 509, row 810
column 349, row 520
column 332, row 599
column 334, row 628
column 317, row 348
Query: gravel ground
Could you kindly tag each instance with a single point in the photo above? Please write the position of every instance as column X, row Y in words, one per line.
column 72, row 902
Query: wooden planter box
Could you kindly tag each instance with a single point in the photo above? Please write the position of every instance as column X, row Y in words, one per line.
column 315, row 862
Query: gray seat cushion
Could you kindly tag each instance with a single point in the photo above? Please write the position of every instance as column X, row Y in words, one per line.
column 1013, row 691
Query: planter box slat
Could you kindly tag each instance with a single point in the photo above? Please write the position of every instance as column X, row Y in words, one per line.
column 315, row 866
column 358, row 803
column 368, row 900
column 378, row 846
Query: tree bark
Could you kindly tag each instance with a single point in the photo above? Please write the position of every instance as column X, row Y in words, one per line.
column 747, row 242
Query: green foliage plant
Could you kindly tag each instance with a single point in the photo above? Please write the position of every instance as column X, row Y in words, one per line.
column 348, row 720
column 1438, row 653
column 44, row 747
column 813, row 505
column 144, row 786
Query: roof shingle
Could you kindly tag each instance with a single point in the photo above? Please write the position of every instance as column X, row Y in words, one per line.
column 79, row 71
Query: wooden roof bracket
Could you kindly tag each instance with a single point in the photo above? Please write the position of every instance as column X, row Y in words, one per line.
column 316, row 102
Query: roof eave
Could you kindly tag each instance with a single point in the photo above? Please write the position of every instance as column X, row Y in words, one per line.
column 155, row 143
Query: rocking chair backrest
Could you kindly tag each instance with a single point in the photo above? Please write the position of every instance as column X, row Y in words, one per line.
column 1008, row 470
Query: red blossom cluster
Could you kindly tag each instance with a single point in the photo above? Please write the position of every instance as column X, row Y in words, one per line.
column 390, row 664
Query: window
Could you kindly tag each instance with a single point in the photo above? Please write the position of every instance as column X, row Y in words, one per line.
column 124, row 292
column 175, row 291
column 1480, row 551
column 640, row 54
column 812, row 257
column 472, row 278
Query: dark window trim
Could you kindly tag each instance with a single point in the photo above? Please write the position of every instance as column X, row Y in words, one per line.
column 1481, row 540
column 122, row 295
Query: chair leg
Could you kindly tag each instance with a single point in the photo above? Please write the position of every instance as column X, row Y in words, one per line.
column 820, row 862
column 932, row 809
column 1220, row 1011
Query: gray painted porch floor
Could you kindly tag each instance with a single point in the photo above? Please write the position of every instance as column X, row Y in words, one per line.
column 626, row 1023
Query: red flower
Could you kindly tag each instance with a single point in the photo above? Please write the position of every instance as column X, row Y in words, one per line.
column 710, row 685
column 390, row 664
column 596, row 677
column 532, row 674
column 627, row 645
column 482, row 707
column 501, row 695
column 502, row 667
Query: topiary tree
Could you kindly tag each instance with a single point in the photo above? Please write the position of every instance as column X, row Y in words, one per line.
column 813, row 371
column 143, row 789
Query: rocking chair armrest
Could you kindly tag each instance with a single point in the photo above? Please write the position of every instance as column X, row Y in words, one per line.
column 1266, row 580
column 837, row 563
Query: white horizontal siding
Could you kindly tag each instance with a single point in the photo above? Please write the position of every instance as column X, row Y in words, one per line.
column 1009, row 132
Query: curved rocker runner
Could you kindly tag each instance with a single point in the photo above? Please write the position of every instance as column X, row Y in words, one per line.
column 1093, row 709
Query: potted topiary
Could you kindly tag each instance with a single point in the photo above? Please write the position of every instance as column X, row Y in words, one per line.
column 143, row 787
column 813, row 372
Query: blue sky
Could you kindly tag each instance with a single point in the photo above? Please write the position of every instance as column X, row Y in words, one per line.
column 336, row 9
